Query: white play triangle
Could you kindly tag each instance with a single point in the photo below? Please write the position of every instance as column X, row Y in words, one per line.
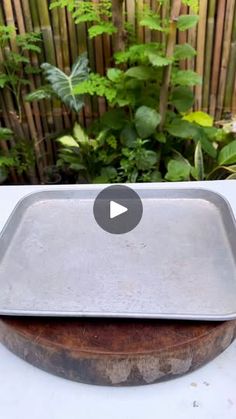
column 116, row 209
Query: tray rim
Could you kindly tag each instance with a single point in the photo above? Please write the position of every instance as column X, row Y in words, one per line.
column 97, row 188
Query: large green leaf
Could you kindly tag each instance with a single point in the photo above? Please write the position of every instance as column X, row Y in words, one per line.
column 146, row 121
column 201, row 118
column 153, row 23
column 198, row 162
column 158, row 60
column 207, row 145
column 128, row 136
column 68, row 141
column 184, row 51
column 114, row 74
column 108, row 174
column 185, row 78
column 146, row 160
column 80, row 134
column 100, row 29
column 114, row 119
column 141, row 73
column 178, row 170
column 6, row 161
column 187, row 21
column 228, row 154
column 182, row 98
column 63, row 85
column 4, row 79
column 44, row 92
column 182, row 129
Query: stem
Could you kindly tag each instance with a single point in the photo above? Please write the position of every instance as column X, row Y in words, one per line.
column 175, row 11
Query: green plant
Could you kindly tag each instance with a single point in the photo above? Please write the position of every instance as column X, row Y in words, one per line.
column 149, row 132
column 6, row 162
column 20, row 157
column 61, row 85
column 16, row 66
column 98, row 14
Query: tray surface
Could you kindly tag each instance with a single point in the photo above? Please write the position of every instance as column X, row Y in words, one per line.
column 178, row 263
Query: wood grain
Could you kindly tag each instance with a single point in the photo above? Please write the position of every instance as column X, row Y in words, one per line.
column 116, row 352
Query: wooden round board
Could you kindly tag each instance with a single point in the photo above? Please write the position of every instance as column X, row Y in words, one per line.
column 116, row 352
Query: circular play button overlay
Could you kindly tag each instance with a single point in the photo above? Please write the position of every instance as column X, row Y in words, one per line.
column 118, row 209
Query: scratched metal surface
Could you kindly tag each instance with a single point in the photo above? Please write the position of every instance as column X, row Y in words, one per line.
column 178, row 263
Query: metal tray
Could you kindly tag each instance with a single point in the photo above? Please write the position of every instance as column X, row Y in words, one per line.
column 178, row 263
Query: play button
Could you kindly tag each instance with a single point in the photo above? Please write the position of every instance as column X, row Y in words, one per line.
column 118, row 209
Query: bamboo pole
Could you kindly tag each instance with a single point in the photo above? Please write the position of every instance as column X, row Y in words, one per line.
column 157, row 9
column 57, row 114
column 99, row 68
column 182, row 36
column 138, row 13
column 147, row 32
column 50, row 55
column 64, row 40
column 49, row 110
column 130, row 9
column 9, row 18
column 231, row 69
column 73, row 42
column 38, row 147
column 72, row 48
column 35, row 108
column 192, row 40
column 6, row 10
column 165, row 13
column 118, row 41
column 208, row 54
column 35, row 62
column 219, row 28
column 229, row 15
column 201, row 35
column 174, row 14
column 65, row 55
column 234, row 100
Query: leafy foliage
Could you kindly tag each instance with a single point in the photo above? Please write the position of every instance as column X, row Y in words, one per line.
column 194, row 4
column 184, row 51
column 131, row 142
column 201, row 118
column 185, row 78
column 146, row 121
column 17, row 64
column 227, row 155
column 182, row 98
column 98, row 14
column 20, row 157
column 5, row 133
column 44, row 92
column 187, row 21
column 62, row 85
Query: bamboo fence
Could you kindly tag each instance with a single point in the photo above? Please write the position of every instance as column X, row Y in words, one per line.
column 214, row 40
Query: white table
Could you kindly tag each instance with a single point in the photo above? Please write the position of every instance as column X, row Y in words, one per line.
column 28, row 393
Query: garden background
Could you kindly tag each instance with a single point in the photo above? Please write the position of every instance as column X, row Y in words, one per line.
column 62, row 41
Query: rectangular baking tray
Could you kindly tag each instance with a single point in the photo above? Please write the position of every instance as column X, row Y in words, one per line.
column 178, row 263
